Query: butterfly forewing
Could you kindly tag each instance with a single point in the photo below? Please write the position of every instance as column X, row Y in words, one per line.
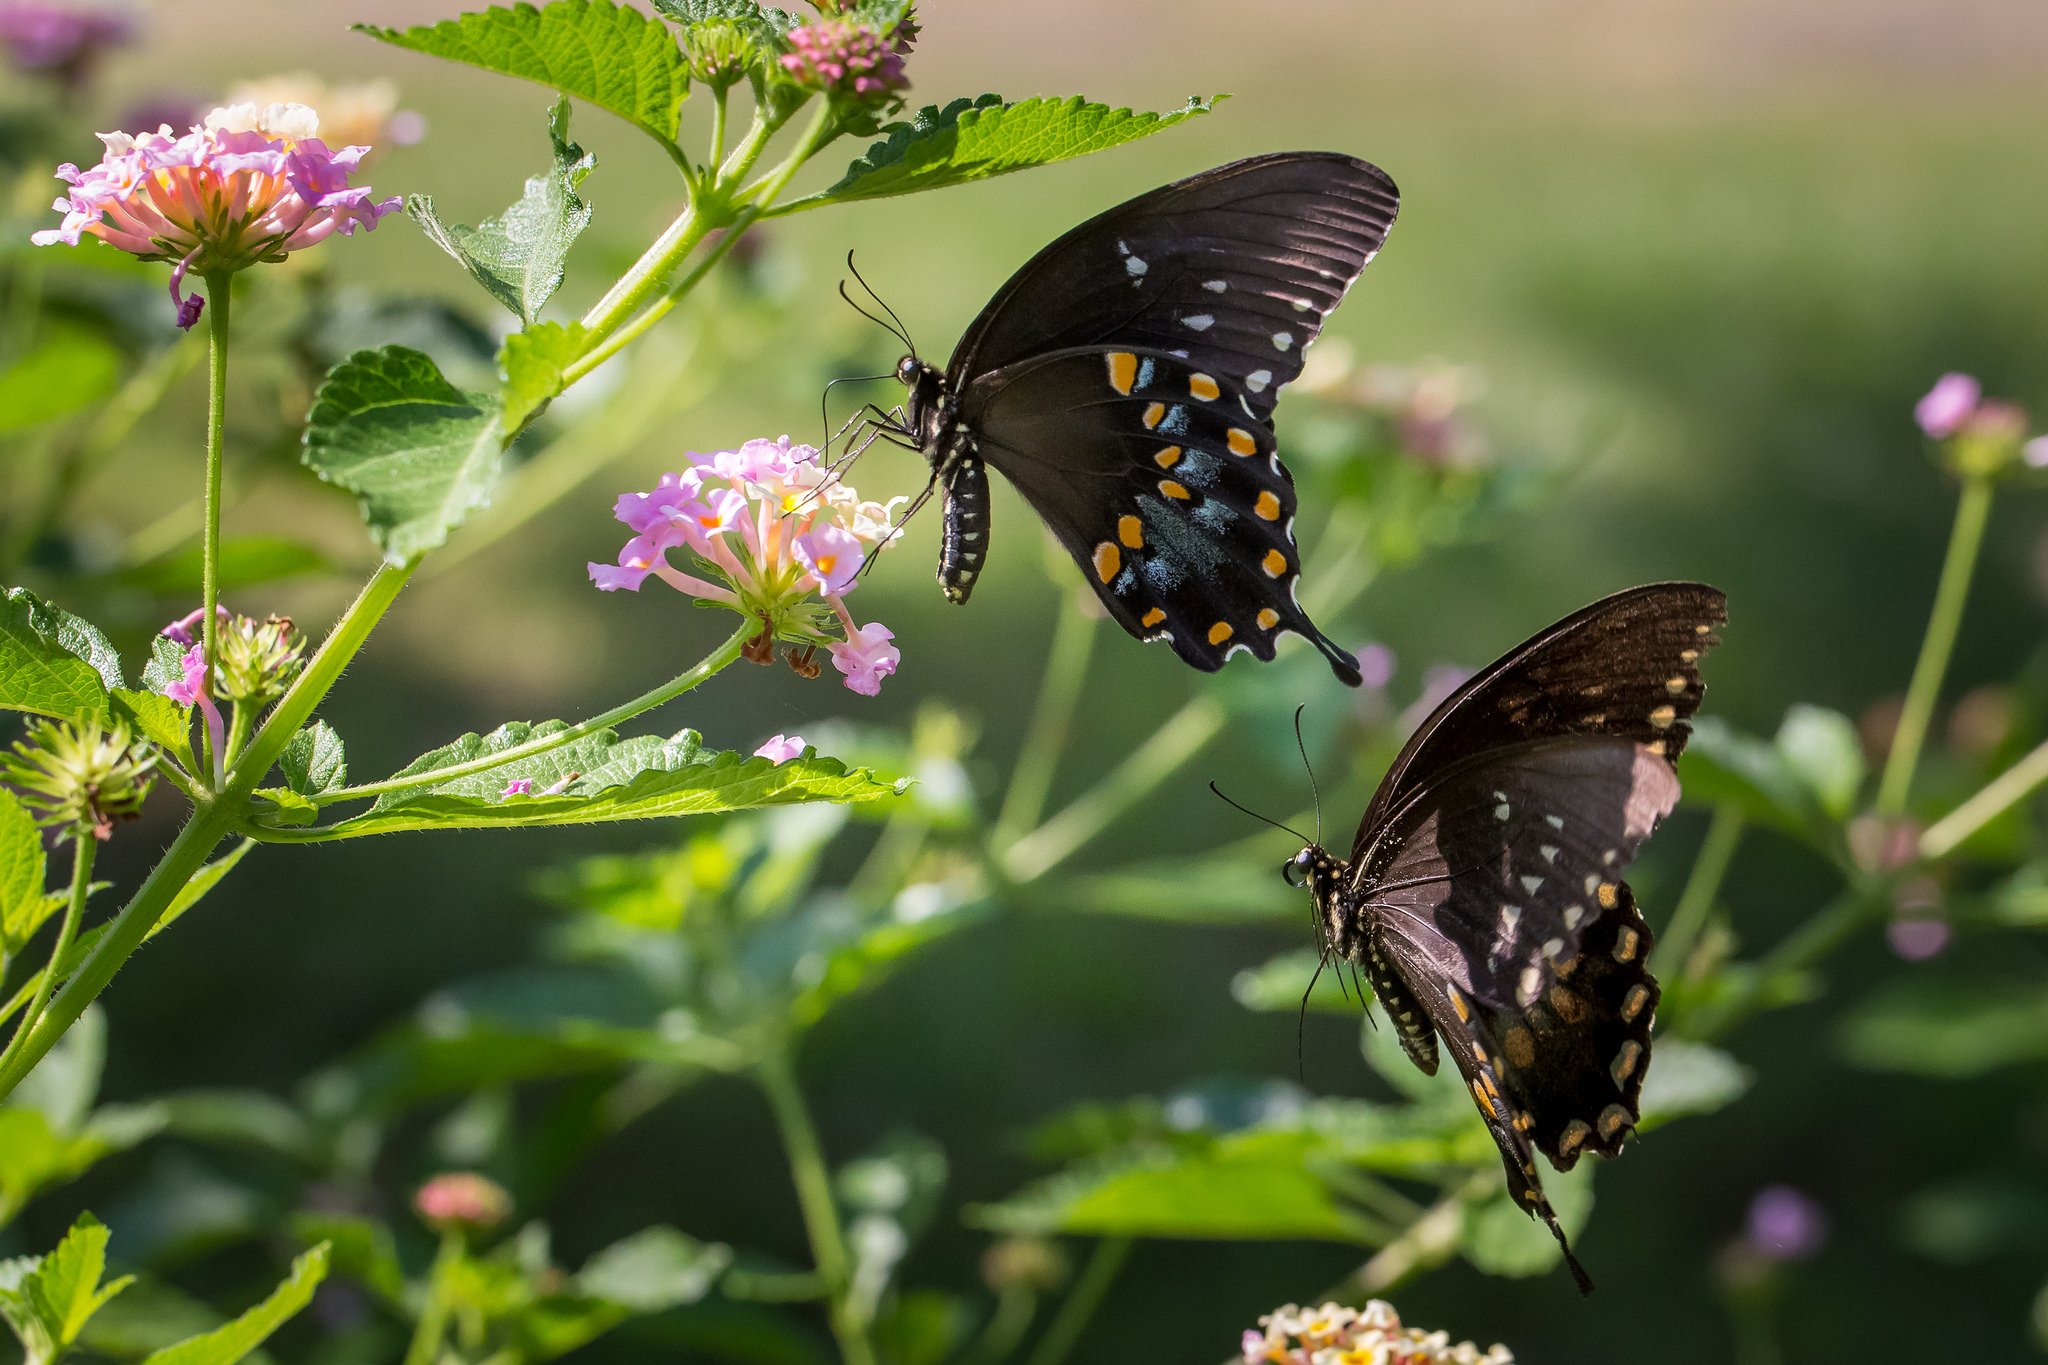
column 1163, row 485
column 1626, row 666
column 1235, row 269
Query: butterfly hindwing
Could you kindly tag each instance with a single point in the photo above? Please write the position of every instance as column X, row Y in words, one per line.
column 1236, row 268
column 1496, row 894
column 1626, row 666
column 1164, row 486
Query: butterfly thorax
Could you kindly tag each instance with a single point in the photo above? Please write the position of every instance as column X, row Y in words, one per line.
column 1348, row 929
column 931, row 414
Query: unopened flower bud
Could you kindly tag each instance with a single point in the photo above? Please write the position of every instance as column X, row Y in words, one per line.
column 462, row 1200
column 258, row 659
column 79, row 777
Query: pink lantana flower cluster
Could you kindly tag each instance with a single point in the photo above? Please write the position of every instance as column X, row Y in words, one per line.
column 841, row 57
column 772, row 535
column 1373, row 1335
column 63, row 40
column 247, row 184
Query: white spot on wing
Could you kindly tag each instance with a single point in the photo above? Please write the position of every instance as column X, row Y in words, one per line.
column 1257, row 380
column 1549, row 852
column 1554, row 821
column 1501, row 811
column 1532, row 884
column 1573, row 916
column 1531, row 985
column 1282, row 340
column 1199, row 322
column 1215, row 286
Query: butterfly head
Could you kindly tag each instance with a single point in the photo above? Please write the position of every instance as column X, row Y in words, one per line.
column 1323, row 875
column 927, row 410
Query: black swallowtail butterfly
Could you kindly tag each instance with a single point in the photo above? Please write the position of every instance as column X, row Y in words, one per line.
column 1483, row 895
column 1124, row 381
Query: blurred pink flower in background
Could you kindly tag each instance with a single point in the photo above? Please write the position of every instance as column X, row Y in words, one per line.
column 62, row 40
column 1785, row 1225
column 1946, row 406
column 246, row 185
column 462, row 1199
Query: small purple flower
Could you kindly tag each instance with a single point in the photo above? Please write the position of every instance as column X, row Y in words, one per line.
column 518, row 786
column 2035, row 453
column 1946, row 406
column 185, row 629
column 190, row 687
column 1376, row 665
column 833, row 557
column 64, row 40
column 846, row 58
column 866, row 657
column 1786, row 1225
column 781, row 748
column 1915, row 938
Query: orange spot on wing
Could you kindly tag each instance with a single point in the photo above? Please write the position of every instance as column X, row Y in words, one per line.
column 1268, row 618
column 1168, row 457
column 1152, row 618
column 1131, row 532
column 1220, row 632
column 1241, row 442
column 1108, row 559
column 1177, row 491
column 1123, row 370
column 1155, row 413
column 1276, row 563
column 1203, row 387
column 1268, row 506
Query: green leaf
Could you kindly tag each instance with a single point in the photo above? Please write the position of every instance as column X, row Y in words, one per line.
column 65, row 1083
column 1218, row 891
column 1948, row 1030
column 531, row 365
column 975, row 139
column 243, row 1118
column 362, row 1249
column 158, row 719
column 48, row 1301
column 227, row 1344
column 313, row 761
column 617, row 58
column 24, row 905
column 608, row 779
column 419, row 453
column 1281, row 985
column 1687, row 1079
column 760, row 22
column 1722, row 766
column 52, row 663
column 520, row 256
column 655, row 1269
column 68, row 370
column 1499, row 1237
column 1822, row 749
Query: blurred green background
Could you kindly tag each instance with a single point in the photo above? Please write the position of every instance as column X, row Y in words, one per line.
column 1709, row 255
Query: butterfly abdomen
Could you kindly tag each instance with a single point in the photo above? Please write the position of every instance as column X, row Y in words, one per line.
column 963, row 542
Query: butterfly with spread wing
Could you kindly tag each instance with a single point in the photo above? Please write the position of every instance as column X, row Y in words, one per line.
column 1124, row 380
column 1483, row 896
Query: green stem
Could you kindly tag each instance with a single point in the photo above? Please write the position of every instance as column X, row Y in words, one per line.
column 212, row 820
column 2002, row 793
column 1090, row 1287
column 646, row 701
column 1183, row 736
column 432, row 1328
column 1708, row 869
column 717, row 156
column 1066, row 669
column 84, row 849
column 1430, row 1240
column 656, row 311
column 240, row 718
column 219, row 293
column 1973, row 510
column 813, row 1181
column 644, row 279
column 1006, row 1326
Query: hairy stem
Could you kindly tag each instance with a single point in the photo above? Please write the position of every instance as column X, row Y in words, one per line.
column 219, row 293
column 1973, row 510
column 2002, row 793
column 646, row 701
column 777, row 1077
column 84, row 848
column 1090, row 1288
column 645, row 277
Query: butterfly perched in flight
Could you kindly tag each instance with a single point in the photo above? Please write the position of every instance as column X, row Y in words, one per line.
column 1483, row 896
column 1124, row 380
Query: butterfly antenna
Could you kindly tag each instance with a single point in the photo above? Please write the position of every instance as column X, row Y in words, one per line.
column 896, row 331
column 1301, row 1020
column 825, row 407
column 901, row 330
column 1256, row 816
column 1314, row 792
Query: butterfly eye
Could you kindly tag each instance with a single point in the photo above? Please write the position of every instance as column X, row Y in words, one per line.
column 906, row 370
column 1295, row 870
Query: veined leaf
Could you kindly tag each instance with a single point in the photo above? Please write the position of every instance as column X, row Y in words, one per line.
column 760, row 22
column 314, row 762
column 419, row 453
column 23, row 903
column 606, row 779
column 232, row 1341
column 520, row 255
column 51, row 1298
column 51, row 662
column 531, row 364
column 976, row 139
column 615, row 57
